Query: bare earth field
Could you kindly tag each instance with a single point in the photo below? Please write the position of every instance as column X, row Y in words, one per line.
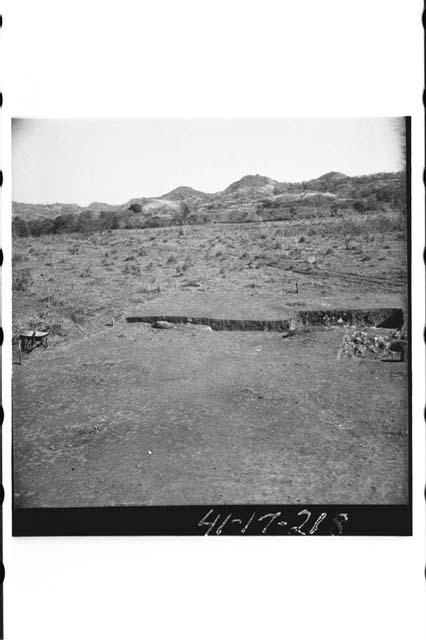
column 115, row 413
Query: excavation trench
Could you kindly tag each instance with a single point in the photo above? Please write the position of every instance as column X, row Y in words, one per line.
column 389, row 318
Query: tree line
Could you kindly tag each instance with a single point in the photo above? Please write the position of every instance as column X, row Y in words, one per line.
column 382, row 200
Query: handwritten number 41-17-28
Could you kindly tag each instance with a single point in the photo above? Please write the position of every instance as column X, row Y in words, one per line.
column 269, row 520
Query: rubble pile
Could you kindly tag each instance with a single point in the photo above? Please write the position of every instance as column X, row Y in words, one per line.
column 372, row 342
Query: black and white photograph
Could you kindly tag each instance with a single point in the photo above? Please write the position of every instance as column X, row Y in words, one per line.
column 213, row 310
column 210, row 312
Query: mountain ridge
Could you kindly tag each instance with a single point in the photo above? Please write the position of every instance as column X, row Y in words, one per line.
column 180, row 191
column 252, row 197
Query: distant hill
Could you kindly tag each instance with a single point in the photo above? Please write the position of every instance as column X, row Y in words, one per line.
column 99, row 206
column 252, row 184
column 251, row 198
column 184, row 193
column 332, row 175
column 27, row 211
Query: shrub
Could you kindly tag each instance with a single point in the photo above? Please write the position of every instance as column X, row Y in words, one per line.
column 58, row 329
column 23, row 280
column 77, row 315
column 20, row 228
column 86, row 273
column 64, row 224
column 17, row 257
column 135, row 208
column 132, row 269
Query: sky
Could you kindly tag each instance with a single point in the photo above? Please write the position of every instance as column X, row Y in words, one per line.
column 82, row 161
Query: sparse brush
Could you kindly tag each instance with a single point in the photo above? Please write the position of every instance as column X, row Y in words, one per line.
column 361, row 224
column 295, row 251
column 132, row 269
column 18, row 257
column 23, row 280
column 77, row 315
column 58, row 329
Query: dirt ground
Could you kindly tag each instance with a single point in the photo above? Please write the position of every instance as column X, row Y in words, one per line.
column 192, row 416
column 79, row 284
column 119, row 414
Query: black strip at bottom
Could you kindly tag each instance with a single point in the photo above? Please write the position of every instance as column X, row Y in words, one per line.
column 252, row 520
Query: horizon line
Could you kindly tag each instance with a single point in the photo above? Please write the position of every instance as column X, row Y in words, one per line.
column 361, row 175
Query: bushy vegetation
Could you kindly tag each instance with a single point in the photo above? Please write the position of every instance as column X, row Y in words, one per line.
column 22, row 280
column 330, row 196
column 358, row 224
column 76, row 282
column 81, row 223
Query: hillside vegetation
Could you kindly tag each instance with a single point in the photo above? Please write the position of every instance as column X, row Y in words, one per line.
column 253, row 198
